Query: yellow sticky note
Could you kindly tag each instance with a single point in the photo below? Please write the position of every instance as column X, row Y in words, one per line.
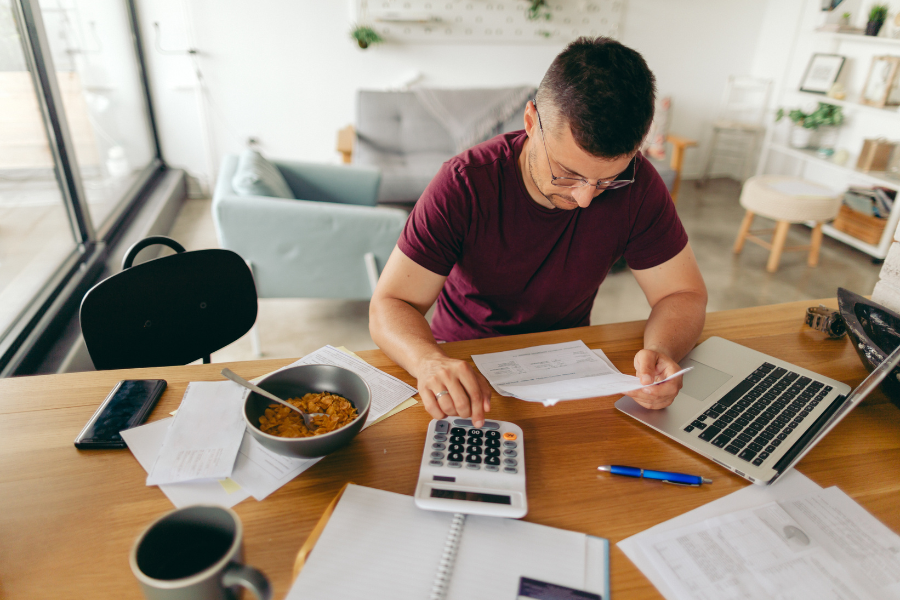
column 229, row 485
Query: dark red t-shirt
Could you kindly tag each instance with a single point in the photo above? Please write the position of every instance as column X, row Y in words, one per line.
column 513, row 266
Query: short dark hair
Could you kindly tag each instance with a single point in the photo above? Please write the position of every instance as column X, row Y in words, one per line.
column 604, row 91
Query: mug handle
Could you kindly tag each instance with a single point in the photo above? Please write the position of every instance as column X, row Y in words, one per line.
column 249, row 578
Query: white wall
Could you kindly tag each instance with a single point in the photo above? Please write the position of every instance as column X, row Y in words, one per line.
column 286, row 72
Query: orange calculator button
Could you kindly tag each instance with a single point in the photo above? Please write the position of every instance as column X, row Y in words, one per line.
column 509, row 435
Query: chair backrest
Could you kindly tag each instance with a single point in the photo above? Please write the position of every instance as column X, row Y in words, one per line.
column 744, row 100
column 170, row 310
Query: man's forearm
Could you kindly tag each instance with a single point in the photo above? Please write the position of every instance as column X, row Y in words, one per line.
column 402, row 333
column 675, row 324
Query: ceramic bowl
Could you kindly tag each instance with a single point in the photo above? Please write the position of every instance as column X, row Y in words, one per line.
column 297, row 381
column 874, row 332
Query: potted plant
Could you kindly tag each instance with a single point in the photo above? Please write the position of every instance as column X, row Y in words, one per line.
column 877, row 15
column 811, row 117
column 538, row 10
column 365, row 36
column 845, row 19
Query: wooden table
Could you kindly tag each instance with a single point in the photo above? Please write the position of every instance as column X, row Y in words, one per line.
column 69, row 517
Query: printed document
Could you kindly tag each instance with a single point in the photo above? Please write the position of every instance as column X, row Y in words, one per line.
column 554, row 372
column 203, row 441
column 821, row 546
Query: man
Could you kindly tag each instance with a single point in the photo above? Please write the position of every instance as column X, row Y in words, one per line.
column 516, row 234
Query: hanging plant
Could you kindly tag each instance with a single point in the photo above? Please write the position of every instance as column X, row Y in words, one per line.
column 365, row 36
column 538, row 10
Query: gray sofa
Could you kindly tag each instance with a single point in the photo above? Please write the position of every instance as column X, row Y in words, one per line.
column 397, row 134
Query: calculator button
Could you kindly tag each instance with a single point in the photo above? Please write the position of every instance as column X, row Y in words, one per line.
column 440, row 437
column 490, row 443
column 454, row 464
column 509, row 444
column 441, row 427
column 463, row 422
column 473, row 458
column 437, row 455
column 439, row 446
column 510, row 453
column 474, row 450
column 494, row 468
column 491, row 425
column 510, row 462
column 510, row 470
column 457, row 431
column 473, row 466
column 509, row 435
column 455, row 456
column 492, row 460
column 475, row 433
column 457, row 439
column 475, row 441
column 492, row 452
column 456, row 447
column 435, row 463
column 491, row 435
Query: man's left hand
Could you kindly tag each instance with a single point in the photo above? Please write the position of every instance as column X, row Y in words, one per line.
column 651, row 366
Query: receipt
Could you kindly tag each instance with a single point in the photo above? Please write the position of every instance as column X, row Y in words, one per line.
column 203, row 441
column 555, row 372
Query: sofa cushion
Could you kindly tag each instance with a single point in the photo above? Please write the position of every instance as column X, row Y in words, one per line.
column 256, row 176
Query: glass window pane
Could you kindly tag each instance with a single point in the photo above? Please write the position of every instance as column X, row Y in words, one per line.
column 93, row 53
column 35, row 234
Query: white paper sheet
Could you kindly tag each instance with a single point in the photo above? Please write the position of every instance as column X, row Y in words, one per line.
column 792, row 484
column 203, row 440
column 759, row 554
column 555, row 372
column 387, row 391
column 145, row 442
column 261, row 471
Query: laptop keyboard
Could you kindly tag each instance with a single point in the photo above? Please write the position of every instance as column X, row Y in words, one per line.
column 760, row 412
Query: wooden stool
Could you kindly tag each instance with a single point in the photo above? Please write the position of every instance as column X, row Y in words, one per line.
column 786, row 200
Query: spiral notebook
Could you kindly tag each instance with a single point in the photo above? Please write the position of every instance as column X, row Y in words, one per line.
column 378, row 544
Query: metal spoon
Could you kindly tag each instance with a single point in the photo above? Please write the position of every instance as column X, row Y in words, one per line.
column 307, row 417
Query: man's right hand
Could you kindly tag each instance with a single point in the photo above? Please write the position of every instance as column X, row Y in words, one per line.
column 469, row 392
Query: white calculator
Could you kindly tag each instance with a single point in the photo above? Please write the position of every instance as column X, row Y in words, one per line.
column 473, row 470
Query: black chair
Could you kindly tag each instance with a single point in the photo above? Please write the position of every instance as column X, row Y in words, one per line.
column 170, row 310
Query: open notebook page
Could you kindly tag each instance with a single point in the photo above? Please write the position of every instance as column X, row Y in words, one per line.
column 494, row 553
column 377, row 544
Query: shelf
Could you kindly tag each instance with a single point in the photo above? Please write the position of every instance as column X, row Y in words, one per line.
column 873, row 251
column 875, row 177
column 864, row 39
column 892, row 111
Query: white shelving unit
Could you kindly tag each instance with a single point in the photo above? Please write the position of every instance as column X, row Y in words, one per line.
column 861, row 122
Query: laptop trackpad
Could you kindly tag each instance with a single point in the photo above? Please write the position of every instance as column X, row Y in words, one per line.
column 703, row 380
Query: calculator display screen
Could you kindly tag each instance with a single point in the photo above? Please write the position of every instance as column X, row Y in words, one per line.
column 470, row 496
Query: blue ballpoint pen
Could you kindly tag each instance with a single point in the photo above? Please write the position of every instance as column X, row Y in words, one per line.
column 673, row 478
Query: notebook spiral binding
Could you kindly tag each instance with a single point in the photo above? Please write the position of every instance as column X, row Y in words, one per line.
column 448, row 558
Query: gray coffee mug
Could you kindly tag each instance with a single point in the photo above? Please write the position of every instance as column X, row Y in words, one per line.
column 195, row 553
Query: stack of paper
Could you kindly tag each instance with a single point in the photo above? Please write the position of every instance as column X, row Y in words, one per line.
column 789, row 540
column 205, row 455
column 554, row 372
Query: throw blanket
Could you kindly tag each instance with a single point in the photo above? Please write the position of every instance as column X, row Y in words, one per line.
column 472, row 116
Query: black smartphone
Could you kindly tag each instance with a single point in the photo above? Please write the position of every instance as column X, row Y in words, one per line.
column 127, row 405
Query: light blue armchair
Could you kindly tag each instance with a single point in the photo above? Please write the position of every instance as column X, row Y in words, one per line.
column 330, row 244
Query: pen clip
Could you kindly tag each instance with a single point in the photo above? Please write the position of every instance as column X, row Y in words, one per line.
column 681, row 484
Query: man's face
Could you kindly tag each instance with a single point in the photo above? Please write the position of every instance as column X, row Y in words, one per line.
column 566, row 159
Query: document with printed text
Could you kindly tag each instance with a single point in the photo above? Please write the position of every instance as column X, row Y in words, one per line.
column 822, row 546
column 554, row 372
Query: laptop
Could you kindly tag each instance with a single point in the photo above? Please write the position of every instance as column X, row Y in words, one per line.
column 750, row 412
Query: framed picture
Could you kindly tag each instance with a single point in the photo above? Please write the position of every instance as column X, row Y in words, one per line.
column 821, row 73
column 882, row 83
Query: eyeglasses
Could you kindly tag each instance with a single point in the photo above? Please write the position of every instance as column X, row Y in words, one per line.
column 574, row 182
